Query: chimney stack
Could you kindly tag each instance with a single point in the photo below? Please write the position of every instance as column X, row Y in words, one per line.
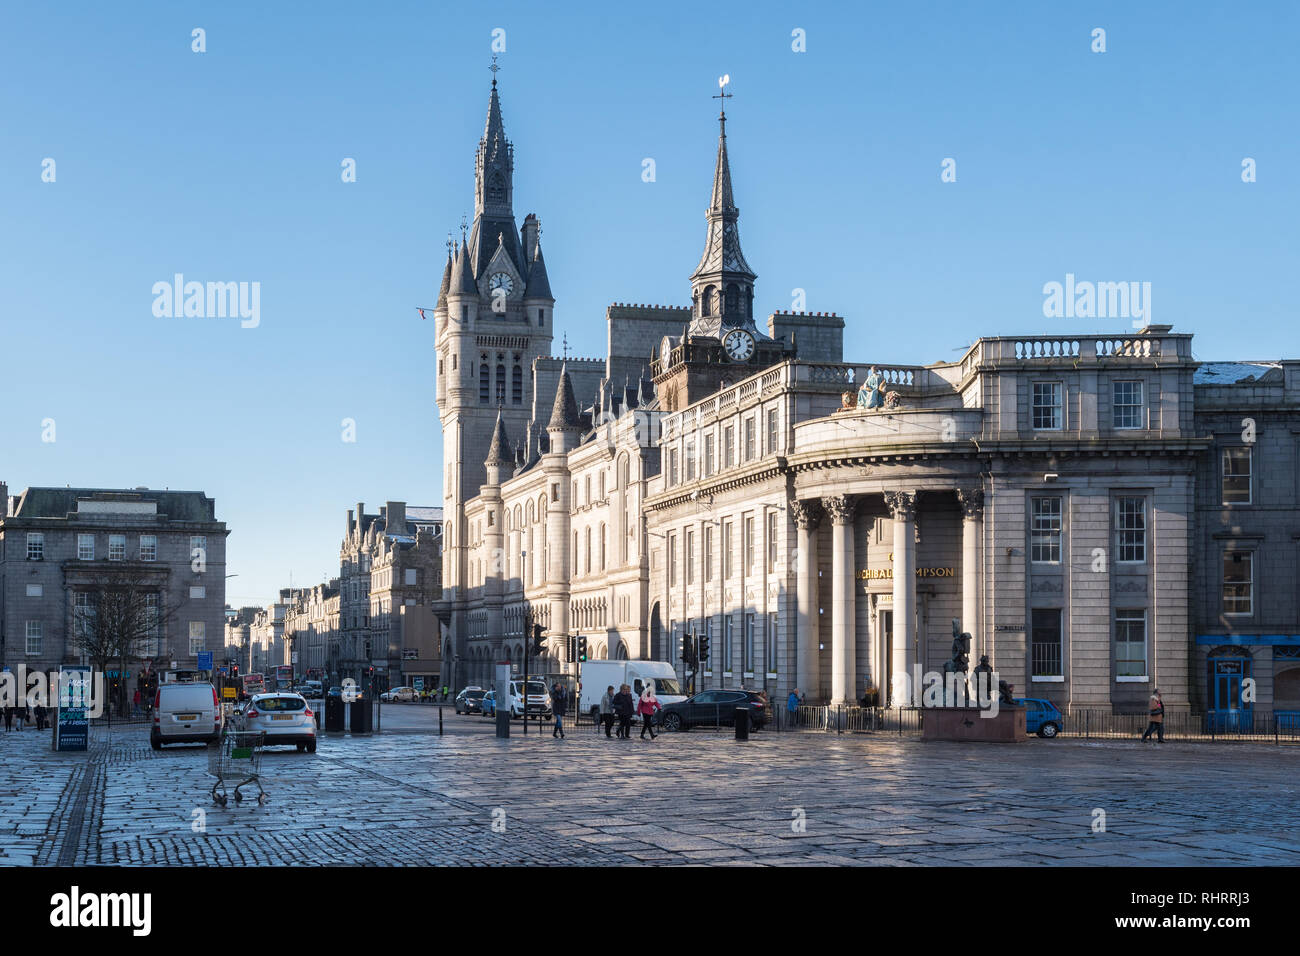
column 395, row 512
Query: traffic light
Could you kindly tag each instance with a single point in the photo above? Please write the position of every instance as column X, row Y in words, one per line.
column 582, row 650
column 688, row 648
column 539, row 643
column 703, row 645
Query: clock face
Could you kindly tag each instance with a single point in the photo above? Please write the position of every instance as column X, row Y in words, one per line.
column 501, row 280
column 739, row 345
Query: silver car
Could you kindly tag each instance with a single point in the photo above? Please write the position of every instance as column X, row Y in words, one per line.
column 284, row 717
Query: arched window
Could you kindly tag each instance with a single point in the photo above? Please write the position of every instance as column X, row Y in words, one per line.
column 496, row 189
column 484, row 385
column 588, row 550
column 501, row 382
column 517, row 385
column 733, row 299
column 602, row 546
column 706, row 301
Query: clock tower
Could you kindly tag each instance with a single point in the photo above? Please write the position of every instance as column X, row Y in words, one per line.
column 493, row 318
column 721, row 343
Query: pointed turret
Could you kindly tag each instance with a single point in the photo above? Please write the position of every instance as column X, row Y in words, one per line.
column 538, row 285
column 565, row 423
column 441, row 305
column 498, row 459
column 462, row 276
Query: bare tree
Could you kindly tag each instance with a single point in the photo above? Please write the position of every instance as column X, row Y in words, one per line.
column 121, row 611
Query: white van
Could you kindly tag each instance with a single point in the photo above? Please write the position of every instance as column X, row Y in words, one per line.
column 539, row 699
column 598, row 675
column 185, row 712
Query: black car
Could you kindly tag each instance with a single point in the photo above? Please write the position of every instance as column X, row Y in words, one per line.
column 470, row 700
column 712, row 708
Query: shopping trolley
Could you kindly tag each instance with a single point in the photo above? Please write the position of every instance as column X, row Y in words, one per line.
column 236, row 759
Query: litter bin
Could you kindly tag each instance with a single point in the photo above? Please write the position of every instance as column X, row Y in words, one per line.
column 334, row 714
column 362, row 716
column 742, row 723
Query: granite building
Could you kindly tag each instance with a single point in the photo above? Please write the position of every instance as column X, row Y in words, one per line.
column 58, row 544
column 1086, row 504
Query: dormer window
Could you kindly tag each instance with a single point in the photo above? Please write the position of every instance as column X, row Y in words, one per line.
column 496, row 190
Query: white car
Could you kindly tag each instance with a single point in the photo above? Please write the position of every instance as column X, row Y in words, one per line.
column 284, row 717
column 398, row 693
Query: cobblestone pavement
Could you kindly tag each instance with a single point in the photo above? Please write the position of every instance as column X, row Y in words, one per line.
column 417, row 798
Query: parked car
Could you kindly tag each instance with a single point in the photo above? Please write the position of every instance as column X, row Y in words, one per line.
column 185, row 712
column 488, row 704
column 470, row 700
column 1042, row 717
column 404, row 694
column 285, row 718
column 712, row 708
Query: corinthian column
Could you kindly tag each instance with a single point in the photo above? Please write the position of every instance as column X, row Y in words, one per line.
column 842, row 508
column 807, row 668
column 972, row 567
column 902, row 505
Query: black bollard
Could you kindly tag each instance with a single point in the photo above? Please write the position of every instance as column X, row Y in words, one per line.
column 742, row 723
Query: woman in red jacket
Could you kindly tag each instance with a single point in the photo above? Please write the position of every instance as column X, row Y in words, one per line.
column 647, row 706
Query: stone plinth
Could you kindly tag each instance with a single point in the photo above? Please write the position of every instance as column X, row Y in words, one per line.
column 967, row 723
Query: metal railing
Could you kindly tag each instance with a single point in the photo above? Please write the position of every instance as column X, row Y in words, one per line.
column 1258, row 726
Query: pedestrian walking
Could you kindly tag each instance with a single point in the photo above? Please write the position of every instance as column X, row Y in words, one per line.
column 559, row 700
column 792, row 706
column 607, row 710
column 135, row 703
column 9, row 717
column 39, row 712
column 21, row 714
column 1156, row 712
column 624, row 707
column 648, row 706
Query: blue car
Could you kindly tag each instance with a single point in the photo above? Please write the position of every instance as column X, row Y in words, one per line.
column 1042, row 717
column 489, row 704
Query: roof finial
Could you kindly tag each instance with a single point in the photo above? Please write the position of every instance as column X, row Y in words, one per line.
column 463, row 226
column 565, row 342
column 494, row 68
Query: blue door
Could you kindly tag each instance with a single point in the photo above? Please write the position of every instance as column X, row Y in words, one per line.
column 1228, row 712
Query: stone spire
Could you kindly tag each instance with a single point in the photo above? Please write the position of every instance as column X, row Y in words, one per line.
column 722, row 244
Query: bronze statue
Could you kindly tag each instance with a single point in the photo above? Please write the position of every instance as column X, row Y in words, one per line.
column 981, row 669
column 1005, row 694
column 960, row 662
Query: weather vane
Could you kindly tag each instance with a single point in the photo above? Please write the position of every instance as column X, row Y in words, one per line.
column 565, row 341
column 494, row 68
column 464, row 224
column 722, row 93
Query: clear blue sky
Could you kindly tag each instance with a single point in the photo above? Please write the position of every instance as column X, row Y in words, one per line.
column 225, row 166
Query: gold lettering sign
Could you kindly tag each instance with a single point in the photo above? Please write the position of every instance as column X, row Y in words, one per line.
column 887, row 574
